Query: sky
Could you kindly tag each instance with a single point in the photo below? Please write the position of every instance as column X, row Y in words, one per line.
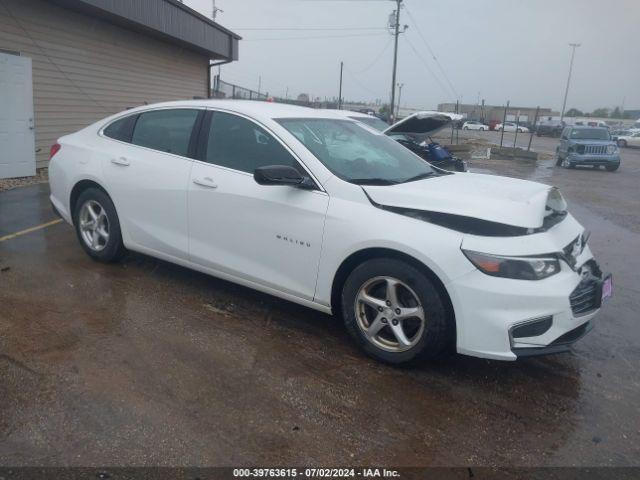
column 496, row 50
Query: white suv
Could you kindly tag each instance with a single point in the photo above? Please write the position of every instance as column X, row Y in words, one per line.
column 332, row 214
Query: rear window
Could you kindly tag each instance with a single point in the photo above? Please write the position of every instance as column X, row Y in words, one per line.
column 590, row 134
column 165, row 130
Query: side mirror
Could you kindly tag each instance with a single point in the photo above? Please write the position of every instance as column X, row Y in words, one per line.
column 281, row 175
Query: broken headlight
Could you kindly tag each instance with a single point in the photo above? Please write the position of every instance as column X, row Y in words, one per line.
column 520, row 268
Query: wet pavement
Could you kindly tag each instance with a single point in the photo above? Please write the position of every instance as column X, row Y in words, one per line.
column 147, row 363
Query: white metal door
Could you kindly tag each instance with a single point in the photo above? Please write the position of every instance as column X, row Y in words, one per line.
column 17, row 140
column 270, row 235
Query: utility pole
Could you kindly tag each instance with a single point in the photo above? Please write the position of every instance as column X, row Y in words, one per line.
column 400, row 85
column 215, row 10
column 397, row 32
column 259, row 83
column 340, row 91
column 566, row 91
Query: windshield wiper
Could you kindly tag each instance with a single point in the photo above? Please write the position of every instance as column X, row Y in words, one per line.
column 420, row 177
column 373, row 181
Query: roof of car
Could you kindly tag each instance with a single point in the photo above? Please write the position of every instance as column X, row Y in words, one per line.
column 585, row 127
column 251, row 108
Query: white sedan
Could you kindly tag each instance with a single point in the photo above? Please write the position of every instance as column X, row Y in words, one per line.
column 630, row 140
column 328, row 213
column 511, row 127
column 473, row 125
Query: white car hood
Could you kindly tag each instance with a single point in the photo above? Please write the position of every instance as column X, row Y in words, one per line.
column 502, row 200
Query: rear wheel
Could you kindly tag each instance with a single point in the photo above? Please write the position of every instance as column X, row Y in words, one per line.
column 465, row 128
column 482, row 129
column 394, row 312
column 97, row 226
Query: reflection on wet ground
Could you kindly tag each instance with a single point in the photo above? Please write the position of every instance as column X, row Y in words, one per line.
column 145, row 362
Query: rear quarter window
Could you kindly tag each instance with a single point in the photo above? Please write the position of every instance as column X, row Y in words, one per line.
column 121, row 129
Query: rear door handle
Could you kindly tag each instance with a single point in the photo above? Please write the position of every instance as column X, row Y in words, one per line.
column 122, row 161
column 205, row 182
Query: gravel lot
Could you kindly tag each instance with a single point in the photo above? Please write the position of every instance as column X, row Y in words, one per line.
column 147, row 363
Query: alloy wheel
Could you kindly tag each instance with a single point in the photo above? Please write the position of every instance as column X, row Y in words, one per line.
column 390, row 314
column 94, row 225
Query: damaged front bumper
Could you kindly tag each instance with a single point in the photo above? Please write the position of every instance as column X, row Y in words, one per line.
column 506, row 319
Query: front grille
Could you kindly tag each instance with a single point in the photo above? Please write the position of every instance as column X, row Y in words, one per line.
column 586, row 296
column 595, row 149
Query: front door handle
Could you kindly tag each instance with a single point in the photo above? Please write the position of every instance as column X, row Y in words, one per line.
column 122, row 161
column 205, row 182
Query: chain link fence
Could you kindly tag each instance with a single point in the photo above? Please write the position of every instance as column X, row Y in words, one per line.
column 222, row 89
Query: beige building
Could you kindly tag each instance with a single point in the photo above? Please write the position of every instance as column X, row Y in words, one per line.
column 495, row 113
column 67, row 63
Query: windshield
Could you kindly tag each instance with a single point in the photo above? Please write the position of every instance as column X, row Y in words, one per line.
column 357, row 154
column 589, row 134
column 374, row 122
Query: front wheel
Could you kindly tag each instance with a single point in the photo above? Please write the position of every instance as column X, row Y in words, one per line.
column 394, row 312
column 97, row 226
column 482, row 129
column 612, row 168
column 622, row 143
column 465, row 128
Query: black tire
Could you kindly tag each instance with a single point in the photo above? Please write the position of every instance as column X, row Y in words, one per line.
column 622, row 143
column 612, row 168
column 438, row 327
column 482, row 129
column 465, row 128
column 114, row 249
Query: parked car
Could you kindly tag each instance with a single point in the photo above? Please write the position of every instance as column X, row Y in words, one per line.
column 323, row 211
column 549, row 129
column 592, row 146
column 511, row 127
column 473, row 125
column 630, row 139
column 413, row 132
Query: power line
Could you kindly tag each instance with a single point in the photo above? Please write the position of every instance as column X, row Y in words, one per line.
column 424, row 62
column 308, row 28
column 433, row 55
column 378, row 57
column 360, row 84
column 315, row 37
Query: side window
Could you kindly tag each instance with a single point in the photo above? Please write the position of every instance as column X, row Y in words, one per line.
column 165, row 130
column 121, row 129
column 238, row 143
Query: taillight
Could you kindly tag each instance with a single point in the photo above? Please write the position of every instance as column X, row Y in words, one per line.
column 55, row 148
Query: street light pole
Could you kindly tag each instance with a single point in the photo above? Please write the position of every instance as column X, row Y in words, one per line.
column 400, row 85
column 566, row 91
column 340, row 91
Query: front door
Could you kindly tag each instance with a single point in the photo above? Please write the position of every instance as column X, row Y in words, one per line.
column 270, row 235
column 17, row 140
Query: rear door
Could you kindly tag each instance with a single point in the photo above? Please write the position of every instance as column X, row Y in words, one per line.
column 17, row 140
column 269, row 235
column 147, row 171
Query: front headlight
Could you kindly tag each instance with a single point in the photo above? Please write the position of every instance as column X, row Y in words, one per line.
column 611, row 149
column 520, row 268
